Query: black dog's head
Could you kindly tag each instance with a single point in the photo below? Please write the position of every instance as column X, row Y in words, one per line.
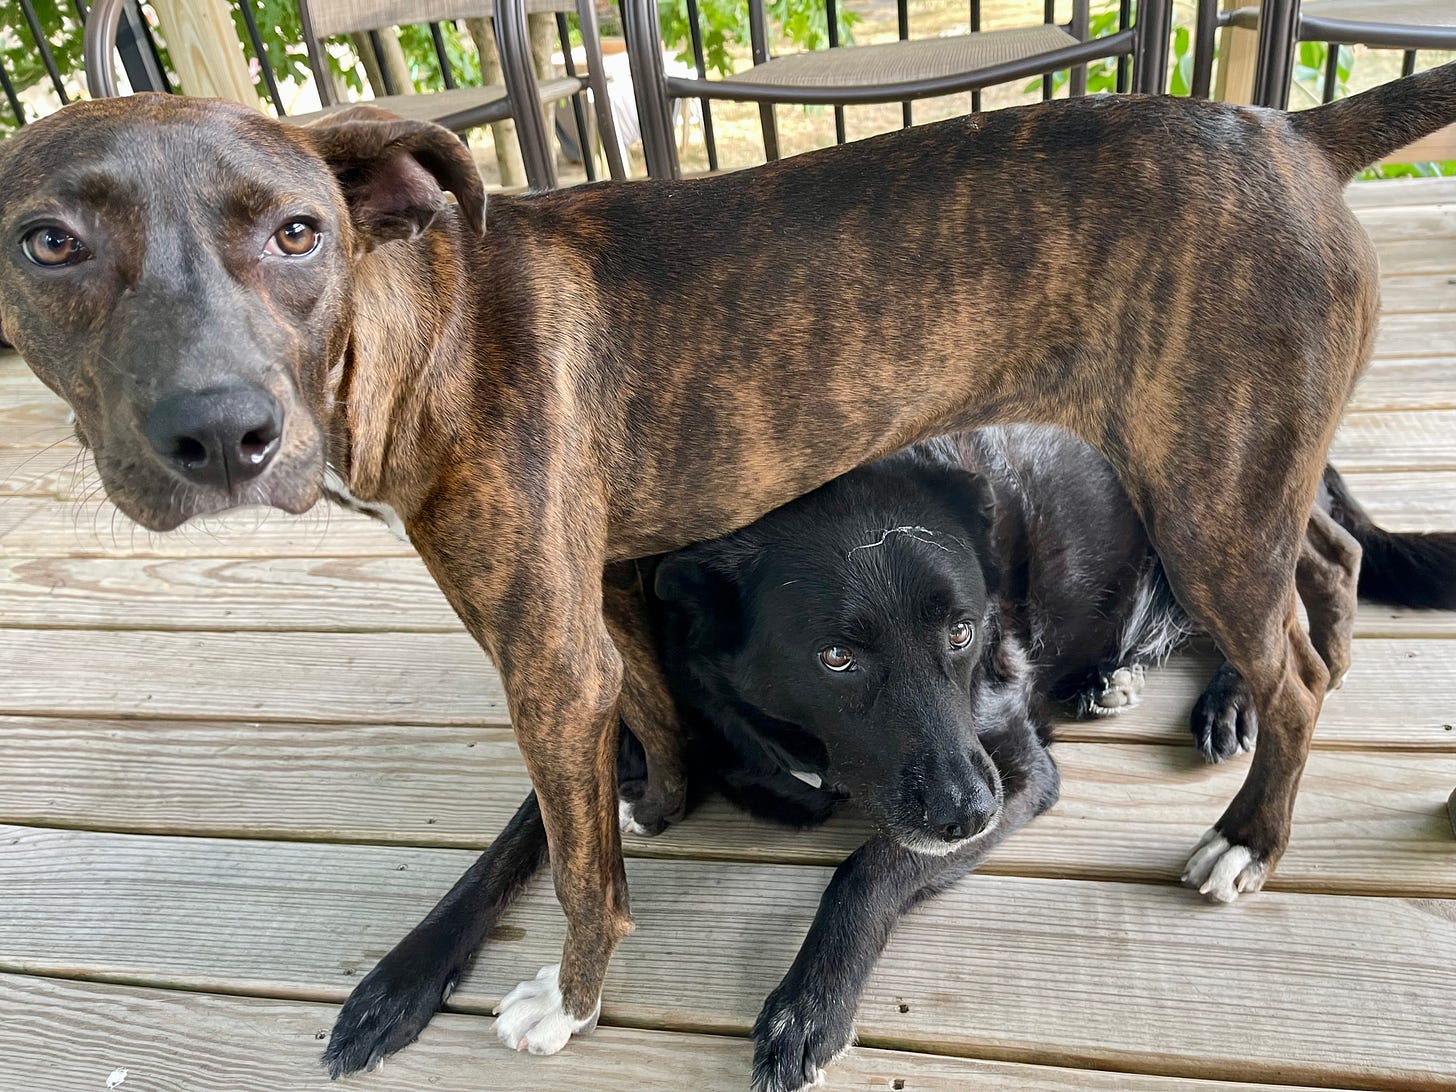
column 180, row 271
column 865, row 614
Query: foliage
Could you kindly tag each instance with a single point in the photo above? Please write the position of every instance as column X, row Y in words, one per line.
column 22, row 59
column 725, row 27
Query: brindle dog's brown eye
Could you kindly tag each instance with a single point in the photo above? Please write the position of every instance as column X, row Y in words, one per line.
column 961, row 634
column 293, row 240
column 836, row 658
column 53, row 247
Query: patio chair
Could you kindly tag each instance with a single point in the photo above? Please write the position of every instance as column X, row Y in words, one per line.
column 1408, row 25
column 901, row 71
column 458, row 109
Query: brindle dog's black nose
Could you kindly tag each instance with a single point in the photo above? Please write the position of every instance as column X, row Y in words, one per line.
column 220, row 437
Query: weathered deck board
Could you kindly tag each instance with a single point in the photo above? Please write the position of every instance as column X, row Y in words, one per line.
column 41, row 527
column 1364, row 823
column 972, row 972
column 1397, row 440
column 63, row 1036
column 444, row 678
column 349, row 594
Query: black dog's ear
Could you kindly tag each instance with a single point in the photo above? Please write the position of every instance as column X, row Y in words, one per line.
column 698, row 585
column 393, row 171
column 973, row 501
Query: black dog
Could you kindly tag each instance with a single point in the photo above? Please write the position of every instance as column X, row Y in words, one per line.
column 891, row 637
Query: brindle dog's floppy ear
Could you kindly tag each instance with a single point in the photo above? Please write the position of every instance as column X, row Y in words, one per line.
column 393, row 171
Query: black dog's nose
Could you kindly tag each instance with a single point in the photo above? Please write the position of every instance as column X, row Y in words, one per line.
column 219, row 437
column 957, row 829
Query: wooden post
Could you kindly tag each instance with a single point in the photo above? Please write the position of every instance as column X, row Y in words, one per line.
column 1237, row 61
column 205, row 50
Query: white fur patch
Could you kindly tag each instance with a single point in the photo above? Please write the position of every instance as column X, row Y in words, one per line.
column 533, row 1017
column 1221, row 871
column 625, row 820
column 339, row 493
column 813, row 780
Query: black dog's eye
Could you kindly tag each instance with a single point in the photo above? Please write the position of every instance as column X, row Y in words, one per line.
column 961, row 634
column 53, row 247
column 293, row 240
column 836, row 658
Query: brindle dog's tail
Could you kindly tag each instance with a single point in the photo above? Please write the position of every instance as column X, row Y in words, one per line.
column 1353, row 133
column 1401, row 569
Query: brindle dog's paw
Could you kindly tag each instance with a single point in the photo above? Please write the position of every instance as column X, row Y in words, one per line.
column 798, row 1034
column 388, row 1010
column 1221, row 870
column 533, row 1016
column 1115, row 691
column 1224, row 721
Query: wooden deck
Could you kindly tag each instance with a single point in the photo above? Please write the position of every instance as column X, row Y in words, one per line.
column 236, row 764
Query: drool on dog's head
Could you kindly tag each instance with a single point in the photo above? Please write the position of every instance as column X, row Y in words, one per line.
column 866, row 615
column 179, row 271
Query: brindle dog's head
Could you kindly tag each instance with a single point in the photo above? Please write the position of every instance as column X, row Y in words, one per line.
column 861, row 626
column 179, row 271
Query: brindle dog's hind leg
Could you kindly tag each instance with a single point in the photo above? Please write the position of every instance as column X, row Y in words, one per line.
column 1224, row 720
column 650, row 806
column 1231, row 562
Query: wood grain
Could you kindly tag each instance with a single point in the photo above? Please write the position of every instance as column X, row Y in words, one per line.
column 41, row 527
column 1070, row 973
column 320, row 594
column 1365, row 823
column 1400, row 192
column 444, row 678
column 63, row 1036
column 1397, row 440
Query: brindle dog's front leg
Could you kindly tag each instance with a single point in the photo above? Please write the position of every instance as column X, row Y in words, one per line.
column 535, row 602
column 647, row 707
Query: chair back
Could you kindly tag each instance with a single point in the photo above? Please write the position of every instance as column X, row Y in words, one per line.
column 327, row 18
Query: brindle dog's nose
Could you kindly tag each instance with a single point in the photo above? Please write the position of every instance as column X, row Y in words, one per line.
column 219, row 437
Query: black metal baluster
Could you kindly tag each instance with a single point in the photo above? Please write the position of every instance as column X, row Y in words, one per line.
column 975, row 28
column 261, row 52
column 438, row 37
column 47, row 58
column 1049, row 15
column 1332, row 72
column 376, row 43
column 1408, row 63
column 577, row 110
column 902, row 14
column 695, row 31
column 1124, row 16
column 16, row 107
column 831, row 18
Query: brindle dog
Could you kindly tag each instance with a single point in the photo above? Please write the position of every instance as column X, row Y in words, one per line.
column 233, row 305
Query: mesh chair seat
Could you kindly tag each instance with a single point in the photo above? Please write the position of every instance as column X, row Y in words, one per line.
column 331, row 17
column 899, row 62
column 1401, row 13
column 458, row 109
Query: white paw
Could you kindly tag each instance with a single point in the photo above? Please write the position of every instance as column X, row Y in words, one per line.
column 1221, row 870
column 1120, row 692
column 532, row 1016
column 625, row 820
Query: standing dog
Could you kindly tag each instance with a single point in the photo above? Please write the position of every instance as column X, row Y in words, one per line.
column 890, row 637
column 246, row 312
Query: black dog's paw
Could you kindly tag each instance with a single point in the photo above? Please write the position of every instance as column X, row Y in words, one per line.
column 1224, row 721
column 798, row 1033
column 1114, row 691
column 644, row 810
column 386, row 1012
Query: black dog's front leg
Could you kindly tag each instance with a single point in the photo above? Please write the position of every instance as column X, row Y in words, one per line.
column 391, row 1006
column 808, row 1020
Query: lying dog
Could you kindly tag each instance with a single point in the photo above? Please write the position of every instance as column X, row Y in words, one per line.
column 892, row 637
column 241, row 311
